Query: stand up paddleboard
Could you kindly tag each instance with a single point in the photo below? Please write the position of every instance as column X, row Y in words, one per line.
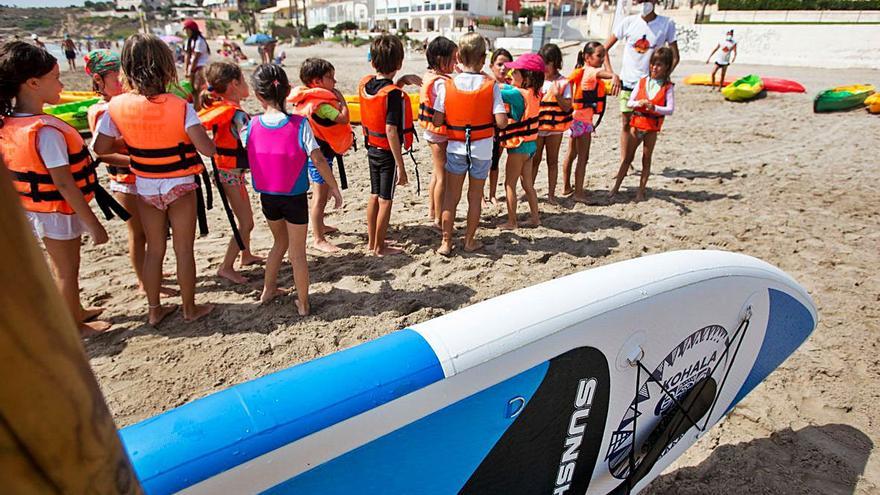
column 592, row 383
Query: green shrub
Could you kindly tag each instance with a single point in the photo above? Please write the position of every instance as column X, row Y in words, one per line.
column 798, row 4
column 360, row 41
column 344, row 26
column 318, row 31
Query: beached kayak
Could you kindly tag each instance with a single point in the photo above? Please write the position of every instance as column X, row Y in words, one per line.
column 779, row 85
column 74, row 96
column 183, row 89
column 74, row 113
column 842, row 98
column 706, row 79
column 873, row 103
column 743, row 89
column 354, row 107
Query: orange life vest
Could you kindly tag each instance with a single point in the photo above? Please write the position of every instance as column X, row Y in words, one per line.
column 116, row 173
column 644, row 119
column 217, row 118
column 373, row 111
column 588, row 98
column 469, row 114
column 329, row 134
column 552, row 117
column 525, row 129
column 153, row 131
column 30, row 177
column 426, row 102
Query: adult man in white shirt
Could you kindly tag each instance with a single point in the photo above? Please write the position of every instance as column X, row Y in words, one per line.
column 641, row 34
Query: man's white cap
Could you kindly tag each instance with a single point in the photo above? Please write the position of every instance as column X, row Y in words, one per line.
column 34, row 36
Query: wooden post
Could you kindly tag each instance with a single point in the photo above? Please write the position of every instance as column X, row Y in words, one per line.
column 56, row 433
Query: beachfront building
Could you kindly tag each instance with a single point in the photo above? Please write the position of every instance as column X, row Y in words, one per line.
column 332, row 13
column 138, row 4
column 226, row 9
column 433, row 15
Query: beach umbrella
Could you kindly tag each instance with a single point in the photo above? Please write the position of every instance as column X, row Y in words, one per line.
column 258, row 39
column 170, row 39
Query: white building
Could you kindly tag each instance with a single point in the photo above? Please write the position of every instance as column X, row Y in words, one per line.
column 333, row 13
column 136, row 4
column 433, row 15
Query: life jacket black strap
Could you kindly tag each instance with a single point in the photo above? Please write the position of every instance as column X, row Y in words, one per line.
column 108, row 204
column 166, row 167
column 467, row 127
column 323, row 122
column 426, row 110
column 161, row 152
column 227, row 151
column 117, row 170
column 78, row 156
column 522, row 133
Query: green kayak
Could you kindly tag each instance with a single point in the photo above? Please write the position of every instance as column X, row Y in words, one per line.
column 183, row 89
column 74, row 113
column 743, row 89
column 842, row 98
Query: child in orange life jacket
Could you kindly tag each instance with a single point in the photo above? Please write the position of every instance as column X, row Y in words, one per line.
column 163, row 136
column 222, row 115
column 441, row 55
column 103, row 67
column 651, row 101
column 50, row 167
column 386, row 119
column 520, row 136
column 470, row 107
column 325, row 107
column 279, row 146
column 499, row 57
column 555, row 118
column 588, row 100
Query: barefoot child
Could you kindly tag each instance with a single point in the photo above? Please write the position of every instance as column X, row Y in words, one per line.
column 223, row 116
column 555, row 117
column 386, row 118
column 50, row 168
column 103, row 68
column 441, row 55
column 470, row 106
column 725, row 49
column 651, row 101
column 279, row 146
column 520, row 136
column 499, row 57
column 588, row 100
column 325, row 107
column 163, row 136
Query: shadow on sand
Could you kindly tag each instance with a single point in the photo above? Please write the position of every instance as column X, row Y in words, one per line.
column 827, row 459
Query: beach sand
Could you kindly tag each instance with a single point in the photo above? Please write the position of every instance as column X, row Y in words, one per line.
column 767, row 178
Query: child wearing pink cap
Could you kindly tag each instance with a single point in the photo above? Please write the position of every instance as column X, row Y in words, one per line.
column 519, row 138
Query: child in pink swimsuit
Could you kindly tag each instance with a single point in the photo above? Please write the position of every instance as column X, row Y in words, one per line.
column 279, row 146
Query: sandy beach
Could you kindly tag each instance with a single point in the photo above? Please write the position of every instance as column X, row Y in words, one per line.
column 767, row 178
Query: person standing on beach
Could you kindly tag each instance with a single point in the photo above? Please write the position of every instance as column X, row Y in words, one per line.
column 723, row 59
column 69, row 52
column 198, row 54
column 641, row 34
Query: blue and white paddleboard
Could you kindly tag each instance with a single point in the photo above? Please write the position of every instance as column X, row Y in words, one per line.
column 545, row 390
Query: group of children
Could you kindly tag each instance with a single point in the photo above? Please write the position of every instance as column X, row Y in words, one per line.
column 152, row 143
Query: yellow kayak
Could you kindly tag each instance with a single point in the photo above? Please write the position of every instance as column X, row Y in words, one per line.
column 354, row 107
column 743, row 89
column 72, row 96
column 873, row 103
column 706, row 79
